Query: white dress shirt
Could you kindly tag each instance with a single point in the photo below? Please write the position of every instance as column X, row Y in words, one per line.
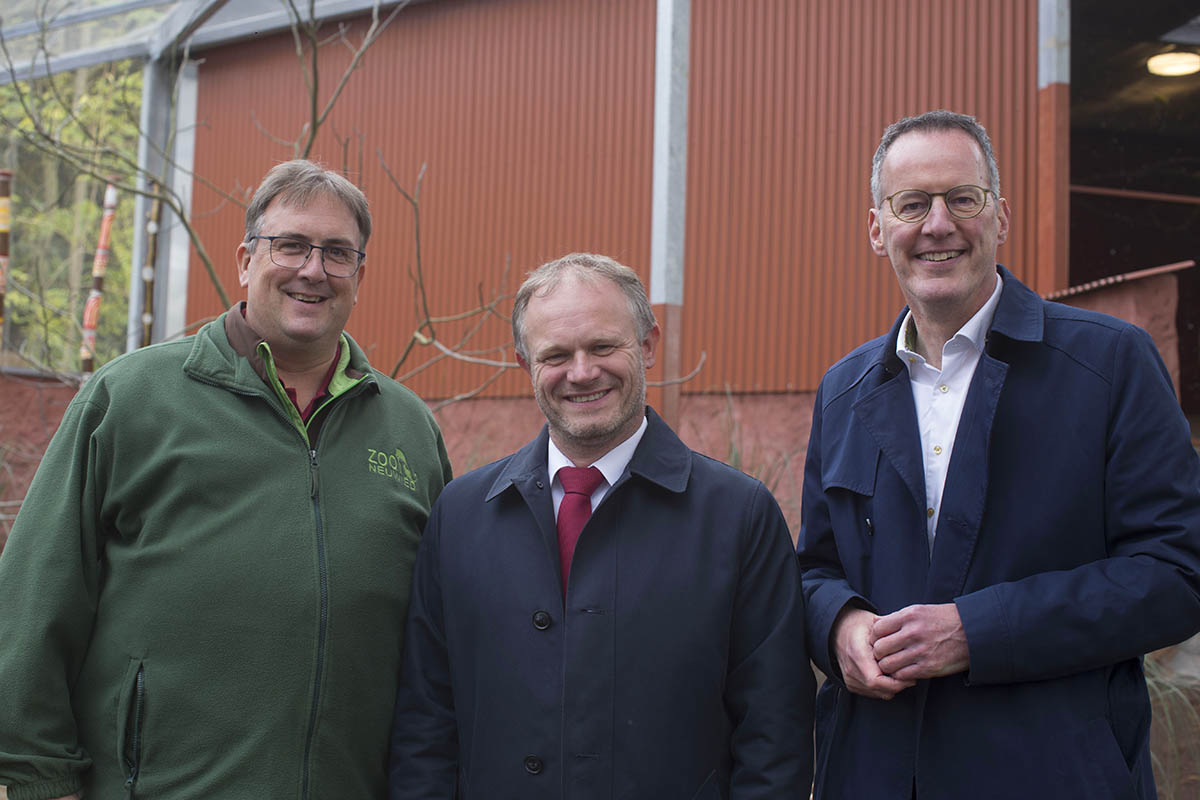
column 939, row 396
column 611, row 465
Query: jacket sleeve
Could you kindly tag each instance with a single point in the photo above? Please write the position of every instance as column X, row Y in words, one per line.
column 50, row 573
column 1146, row 593
column 826, row 590
column 424, row 751
column 770, row 684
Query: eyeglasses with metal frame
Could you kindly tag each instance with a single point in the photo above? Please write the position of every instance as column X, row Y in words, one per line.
column 964, row 202
column 337, row 260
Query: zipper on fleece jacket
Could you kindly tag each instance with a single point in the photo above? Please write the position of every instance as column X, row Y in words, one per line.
column 301, row 429
column 133, row 763
column 321, row 632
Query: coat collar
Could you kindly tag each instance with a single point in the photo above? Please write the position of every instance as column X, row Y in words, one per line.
column 216, row 358
column 661, row 458
column 1019, row 316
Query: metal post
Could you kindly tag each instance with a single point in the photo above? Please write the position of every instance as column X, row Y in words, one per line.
column 91, row 310
column 669, row 189
column 148, row 268
column 5, row 226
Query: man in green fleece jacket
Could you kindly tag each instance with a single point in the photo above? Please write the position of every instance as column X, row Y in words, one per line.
column 205, row 591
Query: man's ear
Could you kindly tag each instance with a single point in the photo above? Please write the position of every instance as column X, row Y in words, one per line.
column 243, row 262
column 875, row 233
column 1002, row 216
column 650, row 346
column 524, row 364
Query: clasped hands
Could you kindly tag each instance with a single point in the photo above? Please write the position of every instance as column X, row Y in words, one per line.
column 881, row 656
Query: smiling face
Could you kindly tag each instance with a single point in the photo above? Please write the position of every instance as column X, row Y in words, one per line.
column 587, row 366
column 946, row 266
column 301, row 313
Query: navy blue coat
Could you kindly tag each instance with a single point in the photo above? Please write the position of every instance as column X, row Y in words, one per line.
column 1068, row 539
column 675, row 669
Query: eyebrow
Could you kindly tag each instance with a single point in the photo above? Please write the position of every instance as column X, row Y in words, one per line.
column 337, row 240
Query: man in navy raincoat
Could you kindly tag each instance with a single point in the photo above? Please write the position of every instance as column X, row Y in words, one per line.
column 1001, row 515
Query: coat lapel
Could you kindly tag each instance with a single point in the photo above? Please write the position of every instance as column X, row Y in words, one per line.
column 526, row 473
column 1019, row 318
column 966, row 487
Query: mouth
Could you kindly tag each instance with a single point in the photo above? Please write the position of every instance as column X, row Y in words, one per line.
column 940, row 255
column 587, row 398
column 306, row 298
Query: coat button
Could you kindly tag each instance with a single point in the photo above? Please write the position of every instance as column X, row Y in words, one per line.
column 541, row 620
column 533, row 765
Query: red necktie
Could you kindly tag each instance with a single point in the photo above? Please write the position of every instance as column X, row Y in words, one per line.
column 578, row 484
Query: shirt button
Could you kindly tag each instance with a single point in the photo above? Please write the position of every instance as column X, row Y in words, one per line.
column 929, row 513
column 944, row 388
column 937, row 449
column 541, row 620
column 534, row 765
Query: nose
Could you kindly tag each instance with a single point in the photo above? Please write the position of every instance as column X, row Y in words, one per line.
column 582, row 368
column 314, row 267
column 939, row 221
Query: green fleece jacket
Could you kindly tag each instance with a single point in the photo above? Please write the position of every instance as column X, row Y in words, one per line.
column 196, row 601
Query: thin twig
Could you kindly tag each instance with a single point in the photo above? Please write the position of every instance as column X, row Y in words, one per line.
column 473, row 393
column 685, row 378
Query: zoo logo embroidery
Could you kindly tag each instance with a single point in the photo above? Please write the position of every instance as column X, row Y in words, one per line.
column 392, row 465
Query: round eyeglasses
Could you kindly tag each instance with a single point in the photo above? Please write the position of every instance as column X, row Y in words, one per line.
column 337, row 260
column 964, row 202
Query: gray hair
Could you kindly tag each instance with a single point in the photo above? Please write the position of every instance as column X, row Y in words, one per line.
column 585, row 267
column 939, row 120
column 297, row 183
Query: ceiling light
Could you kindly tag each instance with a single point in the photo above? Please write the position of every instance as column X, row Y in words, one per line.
column 1174, row 63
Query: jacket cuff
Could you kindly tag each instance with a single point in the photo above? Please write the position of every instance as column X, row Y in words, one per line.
column 46, row 790
column 989, row 640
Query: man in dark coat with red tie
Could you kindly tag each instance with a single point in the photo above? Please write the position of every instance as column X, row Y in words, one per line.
column 605, row 613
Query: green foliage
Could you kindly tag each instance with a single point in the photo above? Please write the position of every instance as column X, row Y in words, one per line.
column 57, row 209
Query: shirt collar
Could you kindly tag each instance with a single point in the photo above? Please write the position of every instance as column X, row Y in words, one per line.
column 974, row 331
column 611, row 464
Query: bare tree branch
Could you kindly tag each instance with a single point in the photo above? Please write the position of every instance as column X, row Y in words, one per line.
column 487, row 362
column 472, row 393
column 373, row 33
column 685, row 378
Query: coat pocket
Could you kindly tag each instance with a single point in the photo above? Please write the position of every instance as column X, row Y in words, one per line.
column 131, row 710
column 1104, row 769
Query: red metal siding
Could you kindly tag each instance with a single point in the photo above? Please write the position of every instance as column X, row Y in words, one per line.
column 536, row 122
column 787, row 104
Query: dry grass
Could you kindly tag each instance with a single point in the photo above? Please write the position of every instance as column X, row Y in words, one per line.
column 1175, row 732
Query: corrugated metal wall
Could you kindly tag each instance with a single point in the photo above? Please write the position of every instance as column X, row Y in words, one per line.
column 788, row 100
column 536, row 122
